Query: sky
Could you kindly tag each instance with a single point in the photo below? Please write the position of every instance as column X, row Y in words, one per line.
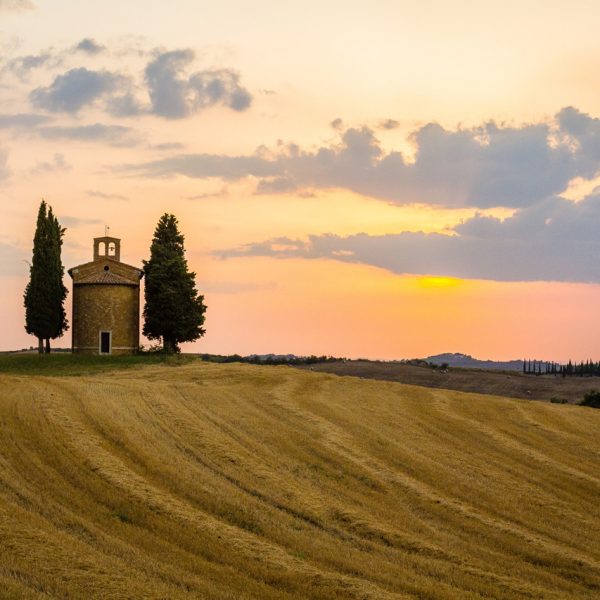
column 389, row 179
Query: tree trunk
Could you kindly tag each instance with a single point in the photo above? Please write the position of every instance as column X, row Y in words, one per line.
column 47, row 345
column 40, row 345
column 170, row 346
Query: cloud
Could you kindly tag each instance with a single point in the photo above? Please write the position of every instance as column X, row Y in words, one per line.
column 279, row 247
column 115, row 135
column 16, row 5
column 4, row 170
column 584, row 130
column 34, row 124
column 22, row 66
column 174, row 94
column 276, row 185
column 125, row 105
column 106, row 196
column 337, row 124
column 168, row 86
column 485, row 166
column 58, row 163
column 224, row 191
column 75, row 89
column 90, row 46
column 166, row 146
column 220, row 86
column 77, row 222
column 555, row 240
column 389, row 124
column 168, row 89
column 22, row 121
column 207, row 165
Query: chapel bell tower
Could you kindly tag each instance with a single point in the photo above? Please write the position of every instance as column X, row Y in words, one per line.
column 107, row 247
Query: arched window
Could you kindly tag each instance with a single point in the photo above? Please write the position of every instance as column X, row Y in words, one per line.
column 101, row 249
column 112, row 249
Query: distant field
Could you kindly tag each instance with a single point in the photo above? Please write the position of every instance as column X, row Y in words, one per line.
column 238, row 481
column 500, row 383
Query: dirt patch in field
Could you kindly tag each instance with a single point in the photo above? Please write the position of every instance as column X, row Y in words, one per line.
column 498, row 383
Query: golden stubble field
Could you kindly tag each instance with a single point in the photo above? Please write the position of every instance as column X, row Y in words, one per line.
column 238, row 481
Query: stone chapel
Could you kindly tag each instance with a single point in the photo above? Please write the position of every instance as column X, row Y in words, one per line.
column 106, row 302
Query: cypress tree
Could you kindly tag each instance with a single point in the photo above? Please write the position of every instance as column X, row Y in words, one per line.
column 59, row 290
column 173, row 310
column 44, row 296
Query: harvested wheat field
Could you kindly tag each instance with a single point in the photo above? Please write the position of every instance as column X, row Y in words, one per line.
column 237, row 481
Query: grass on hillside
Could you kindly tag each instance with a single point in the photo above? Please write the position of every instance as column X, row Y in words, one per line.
column 252, row 483
column 67, row 364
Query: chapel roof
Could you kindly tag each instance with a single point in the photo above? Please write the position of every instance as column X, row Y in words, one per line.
column 105, row 277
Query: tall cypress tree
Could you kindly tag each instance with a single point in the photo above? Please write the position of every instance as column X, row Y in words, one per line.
column 44, row 297
column 173, row 310
column 59, row 290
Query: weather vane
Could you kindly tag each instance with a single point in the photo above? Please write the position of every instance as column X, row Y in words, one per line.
column 106, row 230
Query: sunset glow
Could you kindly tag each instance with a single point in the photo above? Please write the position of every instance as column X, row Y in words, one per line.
column 439, row 282
column 351, row 179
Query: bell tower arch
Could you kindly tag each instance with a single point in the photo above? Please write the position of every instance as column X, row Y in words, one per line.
column 107, row 247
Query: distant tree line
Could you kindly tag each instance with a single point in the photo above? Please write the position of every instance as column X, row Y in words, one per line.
column 268, row 359
column 571, row 369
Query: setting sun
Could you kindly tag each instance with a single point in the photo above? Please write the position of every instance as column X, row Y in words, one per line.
column 439, row 282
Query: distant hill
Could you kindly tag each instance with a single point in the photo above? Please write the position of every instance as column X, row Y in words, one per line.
column 468, row 362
